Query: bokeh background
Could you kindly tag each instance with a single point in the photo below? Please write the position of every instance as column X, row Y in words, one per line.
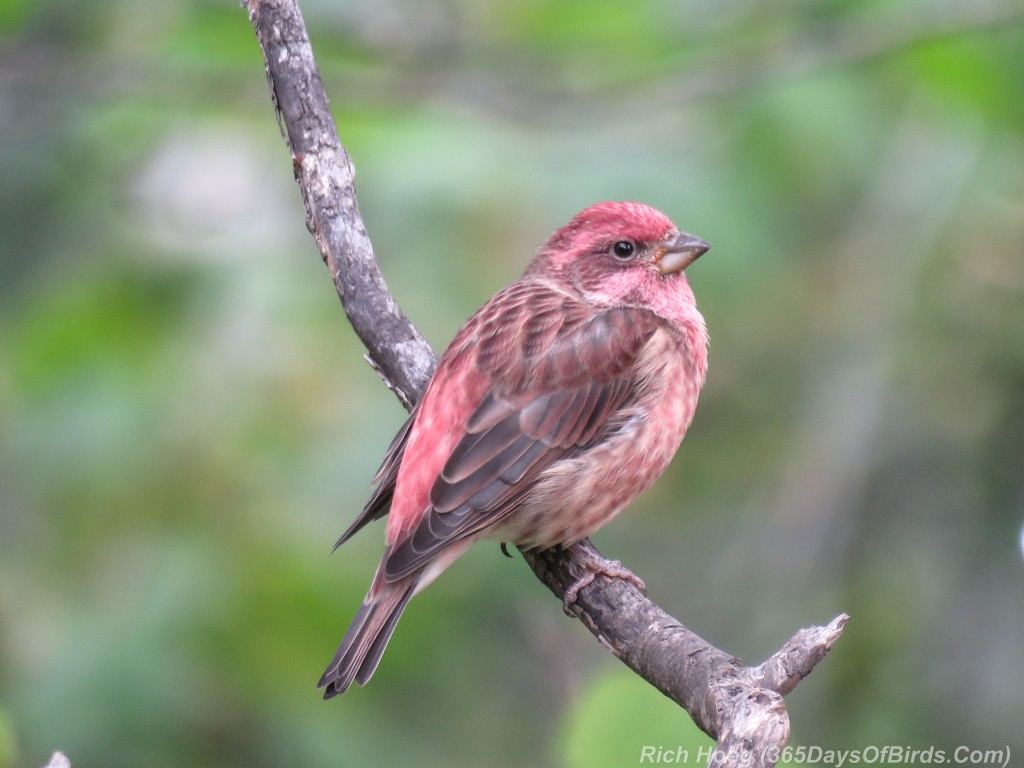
column 186, row 423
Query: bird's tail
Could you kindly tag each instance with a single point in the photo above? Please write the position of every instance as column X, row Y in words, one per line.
column 364, row 643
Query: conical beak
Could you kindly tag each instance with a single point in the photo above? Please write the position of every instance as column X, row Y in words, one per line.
column 677, row 254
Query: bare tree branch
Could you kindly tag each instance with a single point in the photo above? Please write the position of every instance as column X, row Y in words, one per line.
column 326, row 179
column 740, row 707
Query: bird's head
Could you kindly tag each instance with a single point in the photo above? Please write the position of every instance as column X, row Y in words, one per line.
column 621, row 254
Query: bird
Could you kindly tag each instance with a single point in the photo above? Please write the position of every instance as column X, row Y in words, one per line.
column 557, row 403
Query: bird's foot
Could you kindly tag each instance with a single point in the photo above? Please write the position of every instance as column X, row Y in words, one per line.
column 598, row 565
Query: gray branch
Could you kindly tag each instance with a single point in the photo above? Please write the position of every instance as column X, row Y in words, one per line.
column 740, row 707
column 326, row 178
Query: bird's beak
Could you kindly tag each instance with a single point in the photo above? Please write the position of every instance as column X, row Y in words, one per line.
column 679, row 252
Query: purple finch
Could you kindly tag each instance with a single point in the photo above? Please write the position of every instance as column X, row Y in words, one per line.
column 557, row 403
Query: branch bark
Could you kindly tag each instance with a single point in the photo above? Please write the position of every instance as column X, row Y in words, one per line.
column 326, row 178
column 740, row 707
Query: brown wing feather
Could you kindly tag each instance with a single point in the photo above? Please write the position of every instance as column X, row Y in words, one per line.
column 558, row 381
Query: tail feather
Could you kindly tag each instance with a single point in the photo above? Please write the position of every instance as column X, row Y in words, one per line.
column 364, row 643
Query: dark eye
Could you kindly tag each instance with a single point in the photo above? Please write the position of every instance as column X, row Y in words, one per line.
column 623, row 249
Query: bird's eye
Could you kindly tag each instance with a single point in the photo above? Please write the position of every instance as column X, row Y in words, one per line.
column 623, row 249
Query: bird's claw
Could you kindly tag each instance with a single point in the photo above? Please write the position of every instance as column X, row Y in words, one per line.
column 594, row 566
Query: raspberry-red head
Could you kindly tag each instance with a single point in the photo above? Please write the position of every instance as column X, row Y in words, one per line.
column 621, row 254
column 604, row 223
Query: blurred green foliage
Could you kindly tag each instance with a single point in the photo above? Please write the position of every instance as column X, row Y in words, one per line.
column 186, row 423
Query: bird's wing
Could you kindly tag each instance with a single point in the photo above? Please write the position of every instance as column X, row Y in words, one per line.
column 556, row 382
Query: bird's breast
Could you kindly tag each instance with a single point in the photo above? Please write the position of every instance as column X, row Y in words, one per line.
column 578, row 495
